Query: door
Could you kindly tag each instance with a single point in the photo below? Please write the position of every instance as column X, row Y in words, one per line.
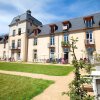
column 52, row 50
column 18, row 56
column 66, row 53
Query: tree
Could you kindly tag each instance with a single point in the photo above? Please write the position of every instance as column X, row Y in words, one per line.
column 77, row 91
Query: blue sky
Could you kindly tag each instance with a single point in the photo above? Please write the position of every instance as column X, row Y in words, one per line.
column 47, row 11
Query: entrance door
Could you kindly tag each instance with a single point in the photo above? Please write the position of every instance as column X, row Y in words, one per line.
column 66, row 55
column 66, row 52
column 52, row 51
column 12, row 55
column 35, row 55
column 18, row 56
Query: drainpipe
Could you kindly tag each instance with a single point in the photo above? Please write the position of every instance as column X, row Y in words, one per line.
column 58, row 46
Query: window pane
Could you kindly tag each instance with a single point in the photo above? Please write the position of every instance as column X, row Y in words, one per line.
column 13, row 32
column 19, row 31
column 65, row 37
column 35, row 41
column 52, row 40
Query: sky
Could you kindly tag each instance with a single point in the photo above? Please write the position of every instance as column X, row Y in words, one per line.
column 46, row 11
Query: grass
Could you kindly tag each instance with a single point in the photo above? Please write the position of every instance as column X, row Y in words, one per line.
column 21, row 88
column 36, row 68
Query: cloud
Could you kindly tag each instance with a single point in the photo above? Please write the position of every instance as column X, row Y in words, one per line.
column 46, row 11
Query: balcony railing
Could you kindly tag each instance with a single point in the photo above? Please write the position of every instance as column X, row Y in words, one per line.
column 89, row 42
column 51, row 45
column 15, row 47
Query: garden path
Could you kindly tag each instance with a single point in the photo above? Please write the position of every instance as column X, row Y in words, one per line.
column 54, row 91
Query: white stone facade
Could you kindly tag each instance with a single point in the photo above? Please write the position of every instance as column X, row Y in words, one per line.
column 27, row 51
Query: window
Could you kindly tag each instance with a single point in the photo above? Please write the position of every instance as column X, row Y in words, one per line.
column 19, row 43
column 19, row 31
column 34, row 54
column 13, row 43
column 28, row 30
column 66, row 25
column 52, row 51
column 14, row 32
column 65, row 37
column 66, row 50
column 89, row 23
column 53, row 27
column 4, row 43
column 4, row 54
column 35, row 41
column 12, row 54
column 89, row 36
column 52, row 40
column 30, row 24
column 18, row 55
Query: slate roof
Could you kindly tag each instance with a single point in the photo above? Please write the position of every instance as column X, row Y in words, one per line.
column 24, row 17
column 2, row 38
column 76, row 24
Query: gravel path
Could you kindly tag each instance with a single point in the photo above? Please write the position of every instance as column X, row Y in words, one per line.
column 54, row 91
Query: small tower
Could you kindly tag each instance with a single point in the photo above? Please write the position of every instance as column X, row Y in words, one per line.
column 20, row 28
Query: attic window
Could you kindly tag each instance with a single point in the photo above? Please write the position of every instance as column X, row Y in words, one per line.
column 53, row 27
column 66, row 25
column 39, row 31
column 88, row 21
column 17, row 19
column 36, row 31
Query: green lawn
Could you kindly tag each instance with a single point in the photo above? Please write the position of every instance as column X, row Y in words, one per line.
column 21, row 88
column 36, row 68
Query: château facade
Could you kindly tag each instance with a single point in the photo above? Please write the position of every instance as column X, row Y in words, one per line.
column 30, row 40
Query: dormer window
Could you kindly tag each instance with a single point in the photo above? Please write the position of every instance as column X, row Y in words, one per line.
column 36, row 31
column 66, row 25
column 17, row 20
column 88, row 21
column 53, row 27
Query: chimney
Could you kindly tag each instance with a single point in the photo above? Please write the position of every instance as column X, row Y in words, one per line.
column 28, row 12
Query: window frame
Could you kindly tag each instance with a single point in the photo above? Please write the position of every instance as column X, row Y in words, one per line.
column 19, row 43
column 13, row 43
column 14, row 32
column 52, row 40
column 19, row 31
column 35, row 41
column 66, row 37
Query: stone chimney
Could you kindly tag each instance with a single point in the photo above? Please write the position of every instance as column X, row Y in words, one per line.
column 28, row 12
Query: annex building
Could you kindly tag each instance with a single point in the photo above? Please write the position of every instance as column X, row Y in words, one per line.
column 30, row 40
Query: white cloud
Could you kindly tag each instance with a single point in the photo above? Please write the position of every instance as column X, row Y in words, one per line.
column 38, row 8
